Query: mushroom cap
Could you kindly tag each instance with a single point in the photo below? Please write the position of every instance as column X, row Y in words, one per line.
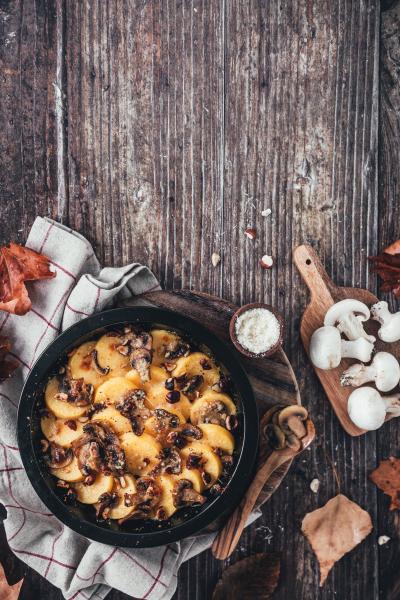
column 345, row 307
column 366, row 408
column 387, row 371
column 325, row 347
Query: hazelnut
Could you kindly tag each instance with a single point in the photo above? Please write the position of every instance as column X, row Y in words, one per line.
column 251, row 233
column 173, row 396
column 266, row 212
column 215, row 259
column 266, row 261
column 169, row 383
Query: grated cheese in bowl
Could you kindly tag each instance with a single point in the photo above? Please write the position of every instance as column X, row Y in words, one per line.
column 257, row 330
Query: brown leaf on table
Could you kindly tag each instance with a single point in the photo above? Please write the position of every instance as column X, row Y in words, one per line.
column 387, row 478
column 17, row 265
column 8, row 592
column 387, row 266
column 7, row 364
column 253, row 578
column 334, row 530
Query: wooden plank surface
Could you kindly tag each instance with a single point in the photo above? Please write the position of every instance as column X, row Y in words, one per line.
column 160, row 130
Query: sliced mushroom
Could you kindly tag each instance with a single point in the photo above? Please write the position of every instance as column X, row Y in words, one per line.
column 139, row 345
column 349, row 315
column 165, row 424
column 99, row 450
column 75, row 391
column 133, row 407
column 89, row 454
column 58, row 457
column 175, row 349
column 291, row 419
column 105, row 503
column 214, row 412
column 100, row 369
column 191, row 386
column 146, row 498
column 170, row 462
column 184, row 495
column 140, row 360
column 275, row 436
column 189, row 430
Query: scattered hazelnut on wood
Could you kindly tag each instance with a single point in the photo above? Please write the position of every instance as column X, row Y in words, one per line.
column 215, row 259
column 383, row 539
column 251, row 233
column 314, row 485
column 266, row 212
column 266, row 261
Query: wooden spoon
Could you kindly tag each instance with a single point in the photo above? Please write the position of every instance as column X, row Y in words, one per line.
column 228, row 538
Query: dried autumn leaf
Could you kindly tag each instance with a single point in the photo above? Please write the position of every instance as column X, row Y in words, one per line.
column 387, row 478
column 8, row 592
column 387, row 265
column 334, row 530
column 253, row 578
column 17, row 265
column 7, row 364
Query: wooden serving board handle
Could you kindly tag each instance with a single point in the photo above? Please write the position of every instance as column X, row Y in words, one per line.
column 324, row 293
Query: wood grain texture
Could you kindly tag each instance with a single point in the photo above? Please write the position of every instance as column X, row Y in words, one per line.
column 160, row 130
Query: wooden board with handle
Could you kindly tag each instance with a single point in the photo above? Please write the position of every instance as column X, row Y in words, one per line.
column 324, row 293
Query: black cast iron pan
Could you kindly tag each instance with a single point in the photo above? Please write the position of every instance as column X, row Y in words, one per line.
column 186, row 522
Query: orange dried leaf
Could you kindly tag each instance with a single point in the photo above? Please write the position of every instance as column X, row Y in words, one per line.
column 7, row 364
column 8, row 592
column 17, row 265
column 387, row 266
column 387, row 478
column 334, row 530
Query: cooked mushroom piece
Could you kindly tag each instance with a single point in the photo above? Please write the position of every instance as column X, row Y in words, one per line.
column 75, row 391
column 133, row 407
column 213, row 412
column 189, row 430
column 57, row 456
column 102, row 370
column 384, row 371
column 146, row 498
column 105, row 503
column 290, row 420
column 390, row 330
column 367, row 408
column 99, row 450
column 349, row 315
column 183, row 494
column 175, row 349
column 327, row 348
column 140, row 359
column 88, row 452
column 170, row 461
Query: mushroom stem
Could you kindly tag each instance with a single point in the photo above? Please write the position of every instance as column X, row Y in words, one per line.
column 392, row 404
column 360, row 349
column 348, row 316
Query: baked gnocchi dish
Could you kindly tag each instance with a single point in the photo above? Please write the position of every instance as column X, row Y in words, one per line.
column 139, row 424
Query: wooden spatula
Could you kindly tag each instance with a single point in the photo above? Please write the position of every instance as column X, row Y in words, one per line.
column 324, row 293
column 228, row 538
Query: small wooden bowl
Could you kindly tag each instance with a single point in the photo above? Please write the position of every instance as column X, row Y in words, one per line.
column 235, row 341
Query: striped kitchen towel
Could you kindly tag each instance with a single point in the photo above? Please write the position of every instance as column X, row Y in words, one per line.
column 79, row 567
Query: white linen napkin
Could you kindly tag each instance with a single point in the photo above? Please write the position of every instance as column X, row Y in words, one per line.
column 79, row 567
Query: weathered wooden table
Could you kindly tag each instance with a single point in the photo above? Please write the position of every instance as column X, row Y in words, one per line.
column 160, row 130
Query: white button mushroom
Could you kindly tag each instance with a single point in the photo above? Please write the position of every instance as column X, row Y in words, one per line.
column 384, row 370
column 349, row 315
column 367, row 408
column 390, row 330
column 327, row 348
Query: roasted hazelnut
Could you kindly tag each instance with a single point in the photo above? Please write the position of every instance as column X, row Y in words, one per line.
column 176, row 439
column 173, row 397
column 231, row 422
column 71, row 424
column 205, row 364
column 169, row 383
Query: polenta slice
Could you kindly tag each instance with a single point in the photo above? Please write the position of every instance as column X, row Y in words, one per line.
column 161, row 340
column 166, row 483
column 81, row 364
column 70, row 473
column 202, row 405
column 114, row 390
column 217, row 437
column 109, row 358
column 60, row 430
column 119, row 510
column 89, row 494
column 141, row 452
column 194, row 365
column 60, row 408
column 212, row 463
column 113, row 418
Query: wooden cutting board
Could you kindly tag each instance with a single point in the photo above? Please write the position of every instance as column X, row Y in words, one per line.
column 324, row 293
column 273, row 379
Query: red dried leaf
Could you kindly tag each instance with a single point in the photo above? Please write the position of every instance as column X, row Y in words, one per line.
column 387, row 478
column 334, row 530
column 17, row 265
column 7, row 364
column 8, row 592
column 253, row 578
column 387, row 266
